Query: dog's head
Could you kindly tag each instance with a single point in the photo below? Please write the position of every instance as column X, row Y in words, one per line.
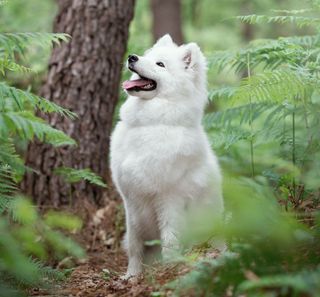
column 166, row 71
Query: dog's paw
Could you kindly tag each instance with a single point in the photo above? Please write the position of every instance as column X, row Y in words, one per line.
column 125, row 277
column 133, row 271
column 130, row 276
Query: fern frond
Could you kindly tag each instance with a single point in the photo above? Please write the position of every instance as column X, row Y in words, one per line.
column 293, row 11
column 302, row 282
column 17, row 42
column 13, row 261
column 269, row 53
column 275, row 86
column 63, row 245
column 306, row 40
column 47, row 271
column 266, row 89
column 76, row 175
column 21, row 97
column 221, row 93
column 8, row 64
column 7, row 187
column 236, row 115
column 225, row 138
column 27, row 126
column 300, row 21
column 9, row 156
column 221, row 59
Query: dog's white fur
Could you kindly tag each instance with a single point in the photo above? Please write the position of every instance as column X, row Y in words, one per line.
column 161, row 160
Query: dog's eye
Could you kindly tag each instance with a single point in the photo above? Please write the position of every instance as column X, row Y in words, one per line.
column 160, row 64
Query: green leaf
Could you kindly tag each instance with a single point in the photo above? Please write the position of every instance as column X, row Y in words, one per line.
column 62, row 220
column 72, row 175
column 300, row 21
column 21, row 98
column 27, row 126
column 13, row 43
column 23, row 211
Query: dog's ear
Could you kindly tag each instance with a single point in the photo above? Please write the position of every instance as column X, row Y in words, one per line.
column 192, row 55
column 165, row 40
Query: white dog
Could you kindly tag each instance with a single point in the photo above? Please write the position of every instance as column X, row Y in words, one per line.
column 161, row 160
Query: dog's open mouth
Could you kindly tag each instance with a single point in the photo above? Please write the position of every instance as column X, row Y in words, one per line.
column 140, row 84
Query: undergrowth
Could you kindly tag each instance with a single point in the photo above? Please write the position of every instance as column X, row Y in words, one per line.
column 28, row 240
column 266, row 132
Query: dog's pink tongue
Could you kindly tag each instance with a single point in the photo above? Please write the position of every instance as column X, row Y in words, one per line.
column 128, row 84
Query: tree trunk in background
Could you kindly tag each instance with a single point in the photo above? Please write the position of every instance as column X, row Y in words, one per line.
column 167, row 19
column 195, row 7
column 84, row 77
column 247, row 31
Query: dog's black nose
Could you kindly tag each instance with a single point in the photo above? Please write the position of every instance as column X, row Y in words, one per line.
column 133, row 58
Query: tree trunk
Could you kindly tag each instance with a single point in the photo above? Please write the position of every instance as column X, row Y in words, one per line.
column 247, row 31
column 167, row 19
column 84, row 77
column 195, row 7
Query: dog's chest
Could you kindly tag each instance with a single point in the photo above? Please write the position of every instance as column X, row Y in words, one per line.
column 153, row 158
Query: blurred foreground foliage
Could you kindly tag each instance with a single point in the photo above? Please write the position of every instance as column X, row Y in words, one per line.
column 267, row 131
column 270, row 252
column 28, row 239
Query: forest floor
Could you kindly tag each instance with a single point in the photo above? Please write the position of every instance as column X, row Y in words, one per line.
column 98, row 275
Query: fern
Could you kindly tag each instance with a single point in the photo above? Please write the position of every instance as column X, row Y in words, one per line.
column 26, row 126
column 237, row 114
column 47, row 272
column 221, row 93
column 76, row 175
column 300, row 21
column 25, row 236
column 308, row 41
column 278, row 86
column 305, row 282
column 7, row 187
column 7, row 64
column 22, row 98
column 293, row 11
column 266, row 52
column 225, row 139
column 272, row 116
column 9, row 156
column 12, row 43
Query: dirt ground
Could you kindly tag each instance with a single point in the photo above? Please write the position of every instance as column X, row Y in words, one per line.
column 99, row 274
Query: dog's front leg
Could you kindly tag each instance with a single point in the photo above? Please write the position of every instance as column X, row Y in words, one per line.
column 133, row 244
column 171, row 220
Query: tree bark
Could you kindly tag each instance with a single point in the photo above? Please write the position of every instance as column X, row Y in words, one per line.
column 84, row 77
column 195, row 7
column 247, row 31
column 167, row 19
